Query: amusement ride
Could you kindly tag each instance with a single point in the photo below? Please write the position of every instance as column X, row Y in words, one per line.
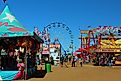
column 57, row 32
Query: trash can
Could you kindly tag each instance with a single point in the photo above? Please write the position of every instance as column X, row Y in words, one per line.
column 48, row 67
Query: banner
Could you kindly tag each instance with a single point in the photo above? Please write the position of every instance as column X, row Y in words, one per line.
column 111, row 43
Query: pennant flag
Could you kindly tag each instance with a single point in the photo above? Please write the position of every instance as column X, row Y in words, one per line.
column 110, row 27
column 105, row 27
column 45, row 34
column 36, row 30
column 99, row 27
column 39, row 33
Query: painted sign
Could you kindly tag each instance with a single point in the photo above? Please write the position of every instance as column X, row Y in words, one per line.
column 111, row 43
column 84, row 31
column 54, row 45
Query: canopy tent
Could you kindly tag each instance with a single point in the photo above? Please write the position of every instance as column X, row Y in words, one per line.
column 10, row 26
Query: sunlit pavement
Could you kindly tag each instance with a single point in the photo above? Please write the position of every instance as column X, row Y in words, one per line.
column 85, row 73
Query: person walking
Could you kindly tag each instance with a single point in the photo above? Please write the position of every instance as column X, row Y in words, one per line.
column 73, row 61
column 81, row 62
column 63, row 61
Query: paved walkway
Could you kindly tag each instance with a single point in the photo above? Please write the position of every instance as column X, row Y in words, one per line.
column 85, row 73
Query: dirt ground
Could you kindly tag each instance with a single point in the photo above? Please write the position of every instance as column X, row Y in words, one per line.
column 85, row 73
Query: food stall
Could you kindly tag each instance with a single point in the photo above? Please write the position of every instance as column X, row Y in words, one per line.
column 16, row 43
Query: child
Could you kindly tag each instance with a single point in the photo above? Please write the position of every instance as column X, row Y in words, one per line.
column 21, row 67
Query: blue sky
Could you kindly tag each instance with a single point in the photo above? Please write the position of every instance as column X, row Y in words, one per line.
column 74, row 13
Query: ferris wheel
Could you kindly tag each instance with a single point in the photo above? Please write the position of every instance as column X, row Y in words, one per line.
column 61, row 32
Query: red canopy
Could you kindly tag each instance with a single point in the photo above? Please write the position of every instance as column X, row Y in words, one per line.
column 81, row 49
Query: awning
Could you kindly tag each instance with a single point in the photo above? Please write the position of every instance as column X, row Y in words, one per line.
column 81, row 49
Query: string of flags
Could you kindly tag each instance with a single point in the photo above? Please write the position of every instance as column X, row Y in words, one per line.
column 106, row 30
column 43, row 34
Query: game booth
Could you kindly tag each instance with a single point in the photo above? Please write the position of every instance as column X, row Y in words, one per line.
column 103, row 43
column 18, row 48
column 108, row 51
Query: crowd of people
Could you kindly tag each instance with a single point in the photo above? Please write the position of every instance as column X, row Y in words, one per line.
column 105, row 59
column 70, row 60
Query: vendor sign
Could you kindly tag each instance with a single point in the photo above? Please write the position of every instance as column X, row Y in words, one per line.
column 111, row 43
column 108, row 50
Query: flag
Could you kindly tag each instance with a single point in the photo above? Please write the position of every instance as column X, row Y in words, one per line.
column 110, row 27
column 99, row 27
column 4, row 1
column 115, row 28
column 45, row 34
column 36, row 30
column 105, row 27
column 39, row 33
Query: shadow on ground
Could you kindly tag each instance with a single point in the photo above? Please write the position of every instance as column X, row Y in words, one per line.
column 39, row 74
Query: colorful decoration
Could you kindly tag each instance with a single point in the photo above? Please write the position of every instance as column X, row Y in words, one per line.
column 16, row 29
column 107, row 30
column 7, row 20
column 9, row 25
